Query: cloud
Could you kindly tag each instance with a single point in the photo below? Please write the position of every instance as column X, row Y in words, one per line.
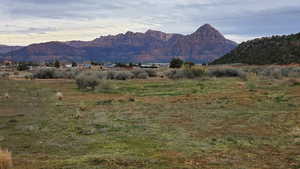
column 53, row 19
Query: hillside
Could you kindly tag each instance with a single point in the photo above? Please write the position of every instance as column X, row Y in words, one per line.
column 5, row 49
column 271, row 50
column 204, row 45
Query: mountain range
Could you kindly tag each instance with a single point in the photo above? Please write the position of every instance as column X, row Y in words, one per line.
column 204, row 45
column 5, row 48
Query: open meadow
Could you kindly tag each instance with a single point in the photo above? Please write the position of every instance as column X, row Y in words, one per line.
column 176, row 123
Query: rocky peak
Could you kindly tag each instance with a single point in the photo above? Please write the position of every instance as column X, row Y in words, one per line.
column 158, row 35
column 208, row 32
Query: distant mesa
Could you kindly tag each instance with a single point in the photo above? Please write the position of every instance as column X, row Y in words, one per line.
column 202, row 46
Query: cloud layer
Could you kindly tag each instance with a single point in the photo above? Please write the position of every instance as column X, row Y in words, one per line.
column 33, row 21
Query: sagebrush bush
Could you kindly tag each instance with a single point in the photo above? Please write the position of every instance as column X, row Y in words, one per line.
column 69, row 73
column 53, row 73
column 101, row 75
column 123, row 75
column 195, row 72
column 276, row 72
column 103, row 86
column 151, row 72
column 189, row 73
column 29, row 76
column 110, row 75
column 44, row 73
column 291, row 71
column 272, row 72
column 4, row 75
column 5, row 159
column 227, row 72
column 175, row 74
column 87, row 81
column 140, row 74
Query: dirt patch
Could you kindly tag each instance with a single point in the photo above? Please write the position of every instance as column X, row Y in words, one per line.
column 8, row 112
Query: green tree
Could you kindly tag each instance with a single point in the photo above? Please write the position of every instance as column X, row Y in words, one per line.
column 74, row 64
column 56, row 64
column 22, row 66
column 176, row 63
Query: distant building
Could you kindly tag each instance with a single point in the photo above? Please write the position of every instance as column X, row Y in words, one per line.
column 149, row 66
column 68, row 65
column 109, row 65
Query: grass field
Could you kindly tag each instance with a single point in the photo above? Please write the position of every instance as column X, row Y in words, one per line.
column 155, row 123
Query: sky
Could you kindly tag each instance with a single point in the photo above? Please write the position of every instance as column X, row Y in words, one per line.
column 33, row 21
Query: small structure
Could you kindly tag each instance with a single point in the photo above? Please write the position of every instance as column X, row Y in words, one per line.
column 149, row 66
column 68, row 66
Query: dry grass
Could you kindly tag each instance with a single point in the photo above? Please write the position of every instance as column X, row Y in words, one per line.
column 220, row 123
column 5, row 159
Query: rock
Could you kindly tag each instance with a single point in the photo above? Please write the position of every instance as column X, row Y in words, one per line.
column 59, row 95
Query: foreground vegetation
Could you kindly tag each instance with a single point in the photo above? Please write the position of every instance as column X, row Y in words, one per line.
column 222, row 118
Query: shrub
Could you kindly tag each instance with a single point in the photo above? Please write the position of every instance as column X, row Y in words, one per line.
column 140, row 74
column 52, row 73
column 4, row 75
column 195, row 72
column 29, row 76
column 175, row 74
column 189, row 73
column 101, row 75
column 110, row 75
column 44, row 73
column 22, row 66
column 271, row 71
column 123, row 75
column 68, row 73
column 5, row 159
column 276, row 72
column 151, row 72
column 291, row 72
column 86, row 81
column 227, row 72
column 103, row 86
